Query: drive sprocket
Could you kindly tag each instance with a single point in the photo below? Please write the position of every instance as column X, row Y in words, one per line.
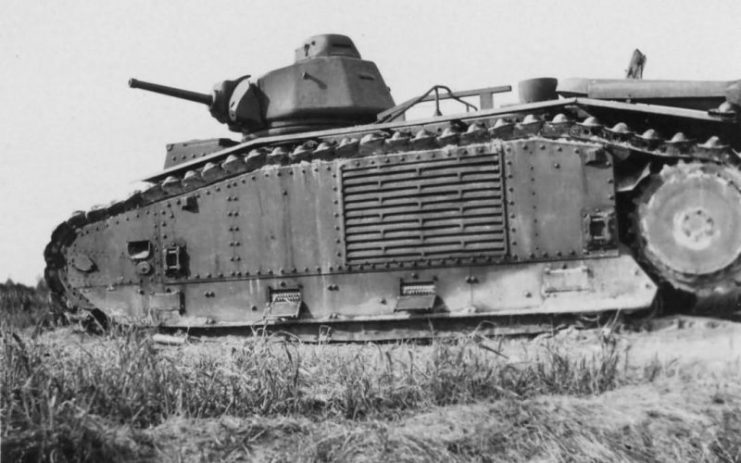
column 689, row 226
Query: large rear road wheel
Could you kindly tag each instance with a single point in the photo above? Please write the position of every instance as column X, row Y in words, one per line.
column 689, row 227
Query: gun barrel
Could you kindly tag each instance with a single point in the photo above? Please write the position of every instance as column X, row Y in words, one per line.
column 172, row 91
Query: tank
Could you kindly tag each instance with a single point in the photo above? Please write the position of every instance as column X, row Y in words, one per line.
column 333, row 217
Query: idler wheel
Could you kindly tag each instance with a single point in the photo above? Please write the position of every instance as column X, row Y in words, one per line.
column 689, row 226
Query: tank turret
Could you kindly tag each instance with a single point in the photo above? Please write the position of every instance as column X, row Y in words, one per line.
column 328, row 86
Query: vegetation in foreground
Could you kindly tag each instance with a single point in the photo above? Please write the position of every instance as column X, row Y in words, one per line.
column 67, row 396
column 24, row 307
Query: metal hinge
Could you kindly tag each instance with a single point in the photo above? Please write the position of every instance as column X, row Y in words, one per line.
column 284, row 303
column 416, row 296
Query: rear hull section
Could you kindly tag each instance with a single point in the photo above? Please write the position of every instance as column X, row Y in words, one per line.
column 432, row 237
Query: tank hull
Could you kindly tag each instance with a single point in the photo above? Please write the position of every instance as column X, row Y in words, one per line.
column 373, row 233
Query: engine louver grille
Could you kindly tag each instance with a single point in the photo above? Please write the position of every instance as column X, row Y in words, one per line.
column 427, row 209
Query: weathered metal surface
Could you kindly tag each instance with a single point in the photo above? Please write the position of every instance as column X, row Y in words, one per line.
column 279, row 221
column 109, row 243
column 478, row 293
column 553, row 187
column 388, row 230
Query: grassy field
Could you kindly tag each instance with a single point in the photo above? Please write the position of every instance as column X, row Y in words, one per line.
column 673, row 395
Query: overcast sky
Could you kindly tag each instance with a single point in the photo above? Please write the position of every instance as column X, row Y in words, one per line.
column 73, row 135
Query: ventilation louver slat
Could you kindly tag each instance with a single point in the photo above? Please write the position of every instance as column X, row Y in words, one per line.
column 421, row 210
